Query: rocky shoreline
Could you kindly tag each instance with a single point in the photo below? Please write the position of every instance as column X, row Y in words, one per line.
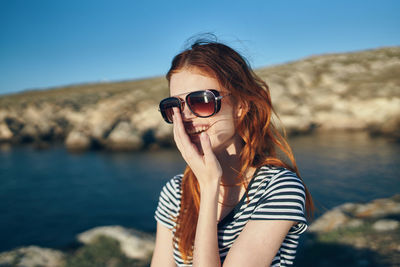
column 100, row 246
column 355, row 234
column 357, row 91
column 352, row 234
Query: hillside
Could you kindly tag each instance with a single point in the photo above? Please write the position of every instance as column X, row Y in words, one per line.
column 348, row 91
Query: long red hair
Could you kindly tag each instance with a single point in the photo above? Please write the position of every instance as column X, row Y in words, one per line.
column 261, row 139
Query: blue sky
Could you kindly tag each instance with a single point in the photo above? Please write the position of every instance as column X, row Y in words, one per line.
column 47, row 43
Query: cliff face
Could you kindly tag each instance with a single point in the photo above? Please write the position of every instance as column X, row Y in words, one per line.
column 117, row 116
column 353, row 91
column 350, row 91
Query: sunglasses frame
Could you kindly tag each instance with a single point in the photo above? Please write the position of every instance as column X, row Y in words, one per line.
column 214, row 92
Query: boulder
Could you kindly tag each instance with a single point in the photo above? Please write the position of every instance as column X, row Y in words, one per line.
column 147, row 118
column 385, row 225
column 378, row 208
column 77, row 140
column 102, row 118
column 32, row 256
column 331, row 220
column 134, row 244
column 28, row 133
column 352, row 215
column 14, row 123
column 164, row 134
column 41, row 120
column 5, row 132
column 124, row 137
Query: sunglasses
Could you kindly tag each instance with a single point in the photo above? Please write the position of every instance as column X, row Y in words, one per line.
column 203, row 104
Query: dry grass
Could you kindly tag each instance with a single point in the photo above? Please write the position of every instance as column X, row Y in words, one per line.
column 77, row 96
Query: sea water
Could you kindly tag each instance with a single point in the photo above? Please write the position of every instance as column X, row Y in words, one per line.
column 47, row 197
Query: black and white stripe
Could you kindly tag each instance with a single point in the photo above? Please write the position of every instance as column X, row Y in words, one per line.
column 273, row 194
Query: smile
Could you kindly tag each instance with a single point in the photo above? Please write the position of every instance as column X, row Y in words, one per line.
column 197, row 130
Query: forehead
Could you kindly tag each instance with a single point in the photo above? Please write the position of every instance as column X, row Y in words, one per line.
column 186, row 81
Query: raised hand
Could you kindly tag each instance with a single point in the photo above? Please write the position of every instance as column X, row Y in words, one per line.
column 205, row 166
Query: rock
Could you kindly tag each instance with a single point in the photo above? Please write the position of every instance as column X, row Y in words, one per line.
column 77, row 140
column 385, row 225
column 294, row 125
column 389, row 128
column 147, row 118
column 32, row 256
column 352, row 215
column 73, row 117
column 361, row 234
column 103, row 117
column 28, row 133
column 14, row 123
column 355, row 223
column 164, row 134
column 124, row 137
column 349, row 207
column 348, row 91
column 5, row 133
column 331, row 220
column 39, row 121
column 134, row 244
column 378, row 208
column 99, row 123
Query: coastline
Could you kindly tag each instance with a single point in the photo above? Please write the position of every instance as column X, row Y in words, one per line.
column 357, row 91
column 352, row 234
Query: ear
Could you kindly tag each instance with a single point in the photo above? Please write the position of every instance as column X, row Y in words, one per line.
column 241, row 110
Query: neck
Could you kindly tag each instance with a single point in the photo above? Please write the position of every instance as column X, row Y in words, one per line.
column 229, row 159
column 231, row 188
column 231, row 167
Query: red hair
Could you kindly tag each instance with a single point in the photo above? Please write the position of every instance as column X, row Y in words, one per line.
column 261, row 139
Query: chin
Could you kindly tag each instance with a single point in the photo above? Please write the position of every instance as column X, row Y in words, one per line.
column 225, row 142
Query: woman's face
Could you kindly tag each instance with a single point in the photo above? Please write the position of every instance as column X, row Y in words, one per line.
column 221, row 126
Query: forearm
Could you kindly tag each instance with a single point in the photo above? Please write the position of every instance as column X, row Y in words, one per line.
column 206, row 252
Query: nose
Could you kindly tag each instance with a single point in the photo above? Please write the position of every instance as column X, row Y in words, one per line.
column 186, row 114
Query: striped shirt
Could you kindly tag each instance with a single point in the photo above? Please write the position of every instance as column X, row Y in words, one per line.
column 274, row 193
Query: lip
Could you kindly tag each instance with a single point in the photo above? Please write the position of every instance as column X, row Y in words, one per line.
column 195, row 130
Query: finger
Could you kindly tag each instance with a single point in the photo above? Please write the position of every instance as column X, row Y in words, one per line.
column 185, row 146
column 209, row 156
column 177, row 139
column 179, row 129
column 178, row 125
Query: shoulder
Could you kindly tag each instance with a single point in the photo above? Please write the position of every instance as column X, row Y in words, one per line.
column 279, row 194
column 172, row 190
column 270, row 177
column 272, row 172
column 169, row 202
column 278, row 184
column 175, row 182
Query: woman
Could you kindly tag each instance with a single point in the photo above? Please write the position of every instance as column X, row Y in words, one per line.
column 238, row 203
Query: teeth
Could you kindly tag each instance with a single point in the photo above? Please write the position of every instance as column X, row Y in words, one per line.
column 197, row 130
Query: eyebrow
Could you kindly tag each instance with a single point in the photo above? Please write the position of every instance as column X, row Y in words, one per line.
column 208, row 89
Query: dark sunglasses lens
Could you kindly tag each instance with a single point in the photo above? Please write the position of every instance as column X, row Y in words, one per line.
column 201, row 103
column 166, row 106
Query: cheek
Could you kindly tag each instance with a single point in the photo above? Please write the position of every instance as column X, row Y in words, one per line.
column 222, row 133
column 223, row 126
